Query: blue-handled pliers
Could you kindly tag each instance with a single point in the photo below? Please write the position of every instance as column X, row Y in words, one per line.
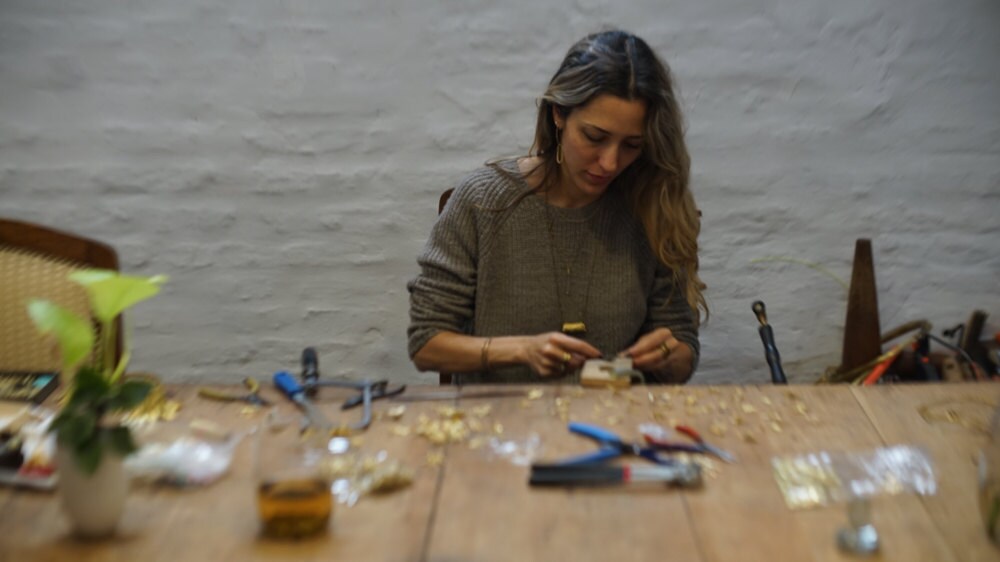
column 611, row 446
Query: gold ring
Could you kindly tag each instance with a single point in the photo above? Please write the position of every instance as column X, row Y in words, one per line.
column 566, row 357
column 665, row 350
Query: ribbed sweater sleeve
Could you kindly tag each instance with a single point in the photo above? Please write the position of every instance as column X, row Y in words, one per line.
column 668, row 308
column 442, row 297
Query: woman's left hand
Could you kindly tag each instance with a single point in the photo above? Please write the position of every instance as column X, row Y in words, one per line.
column 661, row 353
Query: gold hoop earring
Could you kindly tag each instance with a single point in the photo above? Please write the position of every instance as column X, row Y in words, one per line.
column 559, row 154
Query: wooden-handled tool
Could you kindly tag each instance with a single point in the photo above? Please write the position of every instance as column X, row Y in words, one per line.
column 770, row 350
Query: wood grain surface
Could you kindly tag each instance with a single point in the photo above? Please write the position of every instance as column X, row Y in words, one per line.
column 470, row 499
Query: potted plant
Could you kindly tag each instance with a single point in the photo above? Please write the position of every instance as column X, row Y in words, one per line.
column 91, row 441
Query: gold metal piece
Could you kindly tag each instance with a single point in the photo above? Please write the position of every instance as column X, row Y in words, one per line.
column 435, row 458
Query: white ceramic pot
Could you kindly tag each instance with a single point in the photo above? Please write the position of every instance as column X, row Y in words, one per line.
column 93, row 502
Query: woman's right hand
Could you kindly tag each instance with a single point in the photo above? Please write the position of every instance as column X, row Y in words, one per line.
column 554, row 354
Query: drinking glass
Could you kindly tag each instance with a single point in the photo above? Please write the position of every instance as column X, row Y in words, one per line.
column 293, row 489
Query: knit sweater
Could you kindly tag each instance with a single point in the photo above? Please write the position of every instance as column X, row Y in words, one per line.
column 496, row 266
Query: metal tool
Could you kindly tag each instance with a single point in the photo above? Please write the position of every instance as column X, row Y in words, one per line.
column 458, row 394
column 611, row 446
column 379, row 389
column 285, row 382
column 369, row 390
column 310, row 371
column 682, row 474
column 699, row 445
column 770, row 350
column 973, row 347
column 253, row 397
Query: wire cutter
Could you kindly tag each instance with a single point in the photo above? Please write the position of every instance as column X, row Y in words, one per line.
column 611, row 446
column 699, row 445
column 253, row 397
column 379, row 389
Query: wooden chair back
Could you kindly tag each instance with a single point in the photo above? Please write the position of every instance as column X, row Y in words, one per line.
column 34, row 263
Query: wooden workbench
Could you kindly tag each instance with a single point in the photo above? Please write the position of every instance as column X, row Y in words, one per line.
column 474, row 507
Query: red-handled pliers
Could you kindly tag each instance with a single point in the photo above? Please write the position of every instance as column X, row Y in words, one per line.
column 699, row 445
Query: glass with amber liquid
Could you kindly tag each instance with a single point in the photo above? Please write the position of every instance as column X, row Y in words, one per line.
column 293, row 494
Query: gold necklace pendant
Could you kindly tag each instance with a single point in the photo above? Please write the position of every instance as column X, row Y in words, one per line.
column 574, row 328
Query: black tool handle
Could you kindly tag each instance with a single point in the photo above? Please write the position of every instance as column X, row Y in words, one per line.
column 580, row 475
column 771, row 354
column 761, row 311
column 770, row 350
column 310, row 371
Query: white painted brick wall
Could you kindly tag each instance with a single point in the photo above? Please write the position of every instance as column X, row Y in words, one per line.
column 281, row 161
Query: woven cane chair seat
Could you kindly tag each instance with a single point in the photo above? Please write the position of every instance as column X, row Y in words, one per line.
column 35, row 263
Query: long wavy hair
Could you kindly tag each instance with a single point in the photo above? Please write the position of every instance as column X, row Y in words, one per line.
column 656, row 184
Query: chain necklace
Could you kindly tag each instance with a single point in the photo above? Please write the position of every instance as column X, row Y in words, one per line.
column 578, row 327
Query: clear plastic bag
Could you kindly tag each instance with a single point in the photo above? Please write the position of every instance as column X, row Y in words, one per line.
column 821, row 478
column 182, row 456
column 519, row 452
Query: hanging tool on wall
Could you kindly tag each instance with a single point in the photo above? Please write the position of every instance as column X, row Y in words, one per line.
column 770, row 349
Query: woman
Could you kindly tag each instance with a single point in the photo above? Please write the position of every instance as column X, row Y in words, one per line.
column 586, row 248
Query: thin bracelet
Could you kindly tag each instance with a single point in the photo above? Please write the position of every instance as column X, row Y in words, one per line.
column 484, row 355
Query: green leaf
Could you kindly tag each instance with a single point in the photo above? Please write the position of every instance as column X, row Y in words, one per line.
column 130, row 394
column 88, row 454
column 121, row 440
column 74, row 428
column 90, row 389
column 87, row 277
column 110, row 293
column 60, row 423
column 74, row 334
column 89, row 378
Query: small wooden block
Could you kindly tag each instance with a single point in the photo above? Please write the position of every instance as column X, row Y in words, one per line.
column 601, row 374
